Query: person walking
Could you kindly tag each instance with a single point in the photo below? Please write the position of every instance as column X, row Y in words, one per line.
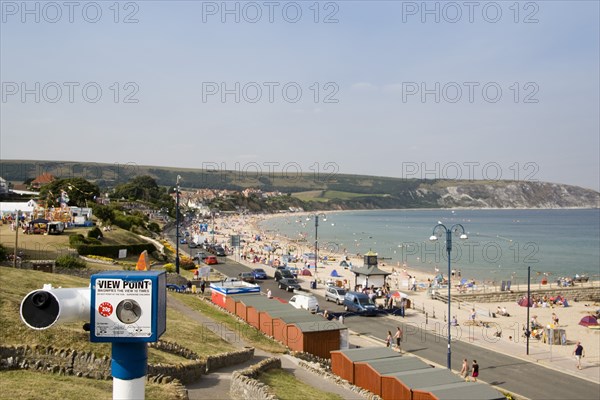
column 475, row 368
column 388, row 339
column 578, row 352
column 464, row 371
column 398, row 337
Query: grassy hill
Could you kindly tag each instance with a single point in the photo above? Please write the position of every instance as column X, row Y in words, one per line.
column 325, row 191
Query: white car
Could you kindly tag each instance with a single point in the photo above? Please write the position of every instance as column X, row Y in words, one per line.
column 306, row 302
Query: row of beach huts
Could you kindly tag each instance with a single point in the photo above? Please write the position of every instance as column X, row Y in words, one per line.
column 380, row 370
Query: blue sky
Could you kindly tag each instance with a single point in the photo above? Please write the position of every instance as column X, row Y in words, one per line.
column 369, row 69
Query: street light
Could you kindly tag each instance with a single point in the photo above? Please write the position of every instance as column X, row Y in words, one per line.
column 316, row 218
column 177, row 225
column 441, row 228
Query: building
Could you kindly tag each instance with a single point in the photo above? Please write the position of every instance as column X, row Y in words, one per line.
column 3, row 186
column 42, row 180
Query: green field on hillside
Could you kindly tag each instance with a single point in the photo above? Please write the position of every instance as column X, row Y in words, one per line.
column 327, row 195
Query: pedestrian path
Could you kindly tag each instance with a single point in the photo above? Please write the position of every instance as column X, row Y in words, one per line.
column 216, row 385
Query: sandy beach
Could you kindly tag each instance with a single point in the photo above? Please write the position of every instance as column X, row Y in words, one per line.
column 511, row 339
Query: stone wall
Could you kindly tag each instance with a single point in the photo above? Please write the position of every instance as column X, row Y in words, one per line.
column 571, row 293
column 88, row 365
column 58, row 361
column 226, row 359
column 244, row 384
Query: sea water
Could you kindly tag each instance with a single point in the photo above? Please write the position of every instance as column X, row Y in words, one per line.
column 501, row 243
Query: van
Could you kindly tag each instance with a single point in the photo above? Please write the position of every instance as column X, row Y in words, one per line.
column 359, row 303
column 306, row 302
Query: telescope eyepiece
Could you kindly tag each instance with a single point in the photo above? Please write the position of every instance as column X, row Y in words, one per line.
column 40, row 299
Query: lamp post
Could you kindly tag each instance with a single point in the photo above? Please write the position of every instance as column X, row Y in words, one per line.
column 440, row 229
column 17, row 225
column 316, row 218
column 177, row 225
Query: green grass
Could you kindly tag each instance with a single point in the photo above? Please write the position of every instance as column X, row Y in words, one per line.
column 324, row 196
column 311, row 195
column 16, row 283
column 36, row 385
column 287, row 387
column 250, row 334
column 48, row 247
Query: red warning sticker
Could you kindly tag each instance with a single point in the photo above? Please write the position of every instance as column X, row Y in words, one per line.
column 105, row 309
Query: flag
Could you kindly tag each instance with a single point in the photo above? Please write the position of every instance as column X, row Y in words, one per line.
column 142, row 263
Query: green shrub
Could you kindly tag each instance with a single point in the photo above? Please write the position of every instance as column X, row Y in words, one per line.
column 186, row 263
column 77, row 240
column 154, row 227
column 128, row 221
column 70, row 262
column 95, row 233
column 3, row 253
column 170, row 267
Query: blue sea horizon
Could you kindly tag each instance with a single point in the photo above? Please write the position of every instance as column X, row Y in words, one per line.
column 501, row 243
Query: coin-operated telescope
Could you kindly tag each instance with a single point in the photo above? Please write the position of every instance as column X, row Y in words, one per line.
column 128, row 309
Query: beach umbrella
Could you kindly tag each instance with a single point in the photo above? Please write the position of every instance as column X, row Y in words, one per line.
column 588, row 320
column 398, row 295
column 525, row 302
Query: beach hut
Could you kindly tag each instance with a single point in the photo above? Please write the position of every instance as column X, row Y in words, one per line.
column 459, row 390
column 343, row 361
column 253, row 306
column 400, row 385
column 368, row 374
column 220, row 291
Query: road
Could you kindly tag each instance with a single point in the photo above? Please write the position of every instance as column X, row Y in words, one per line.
column 513, row 374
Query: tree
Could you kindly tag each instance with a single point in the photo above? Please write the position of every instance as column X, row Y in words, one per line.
column 140, row 188
column 78, row 190
column 104, row 213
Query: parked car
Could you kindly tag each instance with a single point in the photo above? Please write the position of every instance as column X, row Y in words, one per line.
column 335, row 294
column 295, row 271
column 359, row 303
column 306, row 302
column 259, row 273
column 211, row 260
column 283, row 274
column 183, row 241
column 220, row 251
column 289, row 284
column 247, row 277
column 192, row 245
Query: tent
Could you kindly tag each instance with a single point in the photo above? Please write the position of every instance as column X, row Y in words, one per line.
column 525, row 302
column 335, row 274
column 344, row 264
column 305, row 272
column 588, row 320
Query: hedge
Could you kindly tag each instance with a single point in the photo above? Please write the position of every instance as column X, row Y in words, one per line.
column 76, row 240
column 112, row 251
